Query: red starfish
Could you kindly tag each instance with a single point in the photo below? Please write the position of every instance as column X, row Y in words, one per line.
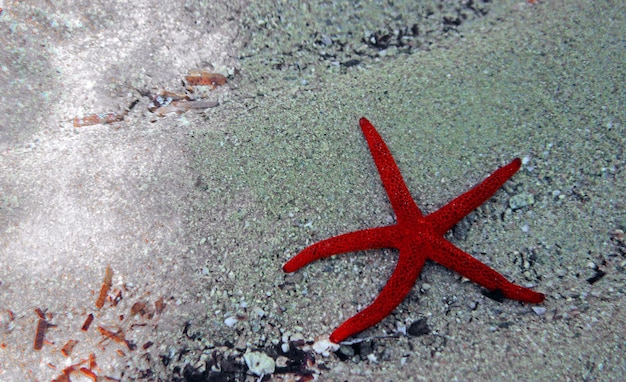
column 418, row 237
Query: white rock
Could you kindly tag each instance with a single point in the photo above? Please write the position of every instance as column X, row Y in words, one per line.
column 539, row 310
column 230, row 321
column 324, row 346
column 259, row 363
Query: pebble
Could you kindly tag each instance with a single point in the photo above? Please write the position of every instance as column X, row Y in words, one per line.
column 401, row 328
column 539, row 310
column 521, row 200
column 347, row 351
column 259, row 363
column 324, row 346
column 419, row 328
column 230, row 321
column 282, row 361
column 259, row 312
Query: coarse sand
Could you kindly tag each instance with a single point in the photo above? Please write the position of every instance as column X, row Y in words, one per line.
column 196, row 211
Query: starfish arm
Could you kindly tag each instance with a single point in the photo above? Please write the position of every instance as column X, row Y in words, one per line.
column 451, row 257
column 380, row 237
column 397, row 191
column 399, row 285
column 450, row 214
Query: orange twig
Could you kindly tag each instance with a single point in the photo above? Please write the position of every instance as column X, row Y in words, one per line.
column 87, row 323
column 106, row 284
column 40, row 333
column 67, row 349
